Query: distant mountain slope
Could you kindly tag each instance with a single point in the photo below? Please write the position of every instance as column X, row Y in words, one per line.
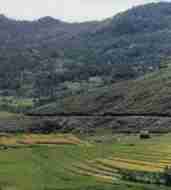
column 148, row 95
column 25, row 34
column 142, row 19
column 139, row 37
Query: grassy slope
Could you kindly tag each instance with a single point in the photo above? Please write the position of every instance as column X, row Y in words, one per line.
column 50, row 167
column 16, row 105
column 149, row 94
column 11, row 122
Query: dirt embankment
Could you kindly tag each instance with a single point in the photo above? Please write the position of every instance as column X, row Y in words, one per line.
column 118, row 123
column 87, row 123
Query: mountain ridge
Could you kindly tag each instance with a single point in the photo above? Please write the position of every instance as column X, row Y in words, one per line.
column 123, row 47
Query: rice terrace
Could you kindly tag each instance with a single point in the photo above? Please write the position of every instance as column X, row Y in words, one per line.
column 100, row 161
column 85, row 95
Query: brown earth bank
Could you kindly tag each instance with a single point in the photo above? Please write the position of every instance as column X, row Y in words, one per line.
column 85, row 124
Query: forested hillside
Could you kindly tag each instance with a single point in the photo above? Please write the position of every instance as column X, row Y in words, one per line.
column 127, row 106
column 146, row 95
column 38, row 58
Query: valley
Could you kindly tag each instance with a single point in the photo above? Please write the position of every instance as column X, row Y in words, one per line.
column 86, row 106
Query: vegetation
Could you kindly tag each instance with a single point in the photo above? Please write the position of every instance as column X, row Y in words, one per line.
column 15, row 104
column 87, row 165
column 148, row 94
column 144, row 135
column 123, row 47
column 94, row 74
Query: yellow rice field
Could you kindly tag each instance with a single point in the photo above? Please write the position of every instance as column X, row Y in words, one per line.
column 152, row 155
column 32, row 139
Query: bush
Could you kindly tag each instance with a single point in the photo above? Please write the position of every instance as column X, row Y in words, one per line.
column 167, row 175
column 143, row 177
column 145, row 135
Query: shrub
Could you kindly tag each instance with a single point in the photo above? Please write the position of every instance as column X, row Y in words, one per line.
column 167, row 175
column 145, row 135
column 142, row 177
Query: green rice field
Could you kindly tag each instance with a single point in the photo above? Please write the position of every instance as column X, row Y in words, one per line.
column 66, row 162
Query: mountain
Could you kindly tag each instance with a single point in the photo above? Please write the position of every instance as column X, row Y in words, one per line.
column 46, row 30
column 49, row 50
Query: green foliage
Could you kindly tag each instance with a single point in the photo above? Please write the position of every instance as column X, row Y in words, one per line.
column 144, row 135
column 13, row 104
column 143, row 177
column 167, row 176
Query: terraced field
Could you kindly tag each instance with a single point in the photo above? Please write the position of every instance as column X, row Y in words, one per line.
column 131, row 154
column 33, row 139
column 67, row 162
